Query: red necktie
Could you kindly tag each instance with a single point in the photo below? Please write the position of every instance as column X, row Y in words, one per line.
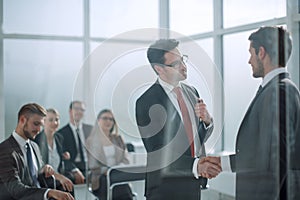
column 186, row 118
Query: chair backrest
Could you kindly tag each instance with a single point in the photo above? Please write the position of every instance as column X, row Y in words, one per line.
column 119, row 175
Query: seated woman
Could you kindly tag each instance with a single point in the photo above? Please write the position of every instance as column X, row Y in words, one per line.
column 106, row 148
column 50, row 145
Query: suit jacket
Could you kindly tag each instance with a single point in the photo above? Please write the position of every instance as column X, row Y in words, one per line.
column 65, row 166
column 169, row 160
column 69, row 140
column 260, row 138
column 15, row 180
column 96, row 155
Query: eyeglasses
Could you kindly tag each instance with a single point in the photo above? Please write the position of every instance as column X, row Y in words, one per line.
column 178, row 63
column 107, row 118
column 78, row 109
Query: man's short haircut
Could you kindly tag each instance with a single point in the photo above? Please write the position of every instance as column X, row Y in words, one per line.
column 30, row 109
column 157, row 50
column 276, row 42
column 74, row 102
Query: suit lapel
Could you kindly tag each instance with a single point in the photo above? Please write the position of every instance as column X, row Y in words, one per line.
column 275, row 80
column 23, row 170
column 16, row 147
column 191, row 97
column 58, row 145
column 37, row 155
column 71, row 143
column 166, row 102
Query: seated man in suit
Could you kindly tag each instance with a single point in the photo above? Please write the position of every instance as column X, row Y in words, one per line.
column 22, row 174
column 74, row 135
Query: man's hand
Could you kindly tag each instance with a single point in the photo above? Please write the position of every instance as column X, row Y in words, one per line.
column 65, row 182
column 79, row 178
column 59, row 195
column 66, row 155
column 209, row 167
column 202, row 112
column 48, row 170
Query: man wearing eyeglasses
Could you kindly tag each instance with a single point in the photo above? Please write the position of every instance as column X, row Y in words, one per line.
column 174, row 123
column 74, row 135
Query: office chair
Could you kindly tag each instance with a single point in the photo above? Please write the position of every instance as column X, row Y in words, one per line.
column 125, row 174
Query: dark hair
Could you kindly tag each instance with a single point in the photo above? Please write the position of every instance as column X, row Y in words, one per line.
column 157, row 50
column 73, row 102
column 30, row 109
column 115, row 127
column 276, row 42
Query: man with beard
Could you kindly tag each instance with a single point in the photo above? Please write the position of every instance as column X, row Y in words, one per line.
column 266, row 161
column 22, row 174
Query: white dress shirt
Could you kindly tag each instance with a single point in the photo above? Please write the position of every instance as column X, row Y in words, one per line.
column 22, row 142
column 172, row 96
column 81, row 135
column 54, row 158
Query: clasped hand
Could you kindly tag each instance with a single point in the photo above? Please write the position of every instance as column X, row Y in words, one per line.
column 209, row 167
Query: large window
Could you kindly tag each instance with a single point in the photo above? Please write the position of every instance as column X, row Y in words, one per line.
column 48, row 17
column 109, row 18
column 238, row 12
column 237, row 80
column 39, row 71
column 45, row 45
column 191, row 17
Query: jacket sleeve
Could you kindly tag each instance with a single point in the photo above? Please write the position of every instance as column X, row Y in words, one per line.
column 12, row 185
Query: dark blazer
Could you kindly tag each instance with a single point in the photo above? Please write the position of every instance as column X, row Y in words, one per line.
column 15, row 180
column 65, row 166
column 259, row 139
column 69, row 140
column 169, row 160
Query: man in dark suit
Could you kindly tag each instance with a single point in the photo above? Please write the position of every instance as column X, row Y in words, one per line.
column 22, row 174
column 74, row 134
column 174, row 124
column 266, row 162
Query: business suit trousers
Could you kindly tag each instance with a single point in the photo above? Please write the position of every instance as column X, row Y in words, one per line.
column 187, row 188
column 81, row 167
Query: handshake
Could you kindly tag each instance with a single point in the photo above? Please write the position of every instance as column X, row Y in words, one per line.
column 209, row 167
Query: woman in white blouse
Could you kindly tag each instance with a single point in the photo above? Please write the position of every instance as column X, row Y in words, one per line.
column 106, row 148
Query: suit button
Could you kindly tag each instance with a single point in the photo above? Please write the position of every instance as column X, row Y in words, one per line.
column 237, row 150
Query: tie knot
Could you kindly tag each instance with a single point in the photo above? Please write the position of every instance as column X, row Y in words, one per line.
column 177, row 90
column 27, row 145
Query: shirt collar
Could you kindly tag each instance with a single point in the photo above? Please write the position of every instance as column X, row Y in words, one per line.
column 75, row 127
column 19, row 139
column 269, row 76
column 167, row 87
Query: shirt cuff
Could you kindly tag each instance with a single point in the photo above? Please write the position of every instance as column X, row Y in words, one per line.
column 75, row 170
column 210, row 125
column 225, row 164
column 45, row 194
column 195, row 170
